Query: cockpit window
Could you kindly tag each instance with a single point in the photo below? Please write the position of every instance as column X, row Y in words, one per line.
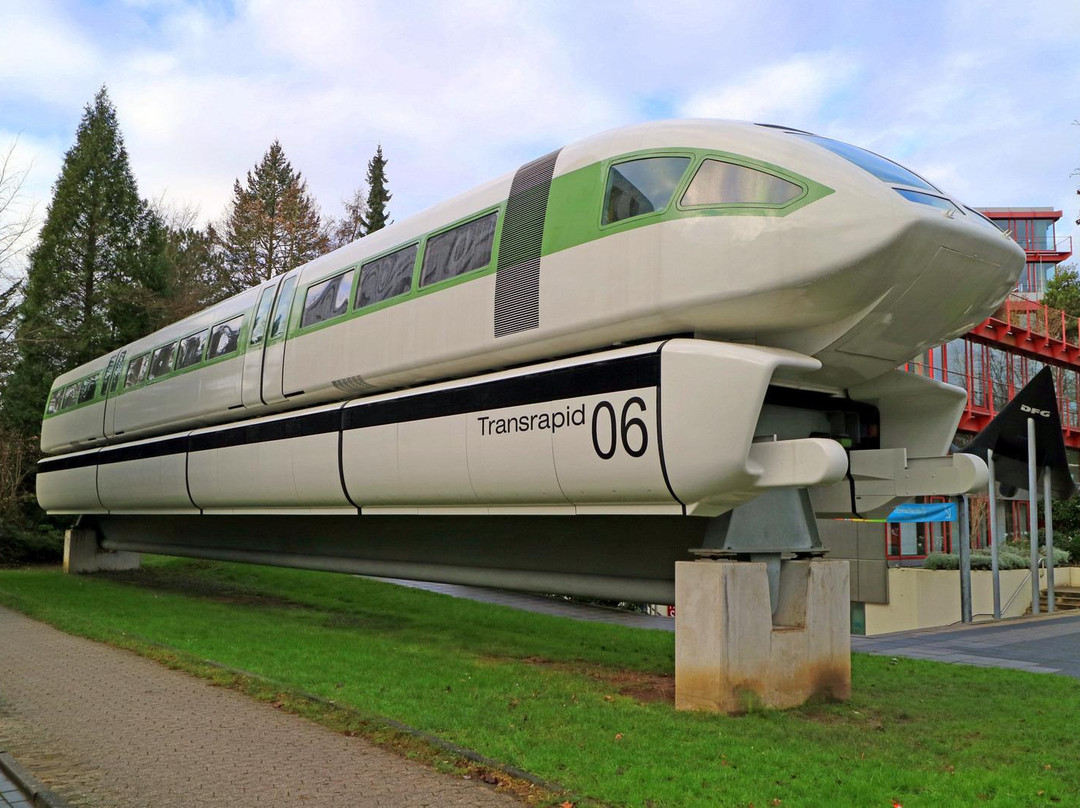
column 720, row 183
column 884, row 170
column 984, row 219
column 637, row 187
column 929, row 199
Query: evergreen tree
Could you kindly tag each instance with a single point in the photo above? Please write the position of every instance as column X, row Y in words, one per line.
column 273, row 224
column 197, row 277
column 377, row 198
column 1063, row 290
column 97, row 263
column 194, row 263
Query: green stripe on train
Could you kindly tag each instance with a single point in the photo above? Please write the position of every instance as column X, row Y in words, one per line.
column 576, row 200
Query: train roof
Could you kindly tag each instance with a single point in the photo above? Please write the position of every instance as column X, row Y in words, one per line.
column 769, row 143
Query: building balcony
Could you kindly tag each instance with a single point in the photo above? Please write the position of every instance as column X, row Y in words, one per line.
column 1048, row 248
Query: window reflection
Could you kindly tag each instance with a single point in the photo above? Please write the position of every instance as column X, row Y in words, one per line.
column 327, row 299
column 225, row 337
column 642, row 186
column 465, row 248
column 720, row 183
column 191, row 349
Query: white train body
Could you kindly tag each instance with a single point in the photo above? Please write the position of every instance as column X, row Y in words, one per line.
column 628, row 431
column 818, row 280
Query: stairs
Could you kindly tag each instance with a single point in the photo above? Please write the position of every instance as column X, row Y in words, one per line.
column 1066, row 598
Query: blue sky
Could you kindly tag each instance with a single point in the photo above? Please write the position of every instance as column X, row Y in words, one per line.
column 979, row 97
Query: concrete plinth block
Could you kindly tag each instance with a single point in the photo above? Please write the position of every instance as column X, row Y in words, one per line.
column 83, row 554
column 732, row 653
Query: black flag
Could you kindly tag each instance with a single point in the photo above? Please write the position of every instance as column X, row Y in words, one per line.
column 1007, row 436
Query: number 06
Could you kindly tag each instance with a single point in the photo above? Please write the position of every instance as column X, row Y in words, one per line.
column 626, row 428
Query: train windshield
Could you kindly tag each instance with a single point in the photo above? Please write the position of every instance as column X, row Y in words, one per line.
column 884, row 170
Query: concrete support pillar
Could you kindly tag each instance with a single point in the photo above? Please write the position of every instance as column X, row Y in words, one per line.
column 731, row 653
column 83, row 554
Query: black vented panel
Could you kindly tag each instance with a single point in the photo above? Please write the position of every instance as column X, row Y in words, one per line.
column 517, row 273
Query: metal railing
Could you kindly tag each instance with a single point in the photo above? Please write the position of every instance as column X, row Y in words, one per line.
column 1037, row 318
column 1052, row 244
column 1023, row 585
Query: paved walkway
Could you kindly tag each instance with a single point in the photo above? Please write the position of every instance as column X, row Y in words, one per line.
column 1049, row 644
column 11, row 796
column 105, row 728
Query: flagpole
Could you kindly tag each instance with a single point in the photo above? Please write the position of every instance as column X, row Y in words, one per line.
column 965, row 558
column 996, row 578
column 1048, row 522
column 1033, row 517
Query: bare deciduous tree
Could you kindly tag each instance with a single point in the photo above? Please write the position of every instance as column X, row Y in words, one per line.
column 17, row 220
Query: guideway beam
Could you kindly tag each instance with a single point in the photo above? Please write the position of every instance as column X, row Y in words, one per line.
column 83, row 553
column 732, row 653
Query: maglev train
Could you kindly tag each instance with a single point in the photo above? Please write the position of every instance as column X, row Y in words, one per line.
column 666, row 318
column 723, row 231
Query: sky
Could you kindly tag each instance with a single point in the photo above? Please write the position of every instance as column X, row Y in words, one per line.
column 981, row 98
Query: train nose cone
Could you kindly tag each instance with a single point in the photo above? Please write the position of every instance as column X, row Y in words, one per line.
column 957, row 276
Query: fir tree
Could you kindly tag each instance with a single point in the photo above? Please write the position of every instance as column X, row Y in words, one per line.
column 273, row 224
column 1063, row 290
column 377, row 199
column 196, row 270
column 97, row 263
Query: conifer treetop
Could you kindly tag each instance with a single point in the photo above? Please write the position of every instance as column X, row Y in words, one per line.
column 378, row 197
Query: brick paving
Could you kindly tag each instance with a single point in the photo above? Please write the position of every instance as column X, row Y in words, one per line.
column 105, row 728
column 11, row 796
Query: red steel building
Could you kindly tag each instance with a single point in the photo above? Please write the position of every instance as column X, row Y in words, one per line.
column 997, row 358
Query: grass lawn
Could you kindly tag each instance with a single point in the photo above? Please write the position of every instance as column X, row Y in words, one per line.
column 584, row 705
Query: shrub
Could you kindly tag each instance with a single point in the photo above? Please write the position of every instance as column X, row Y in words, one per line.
column 28, row 540
column 942, row 561
column 1069, row 544
column 1008, row 559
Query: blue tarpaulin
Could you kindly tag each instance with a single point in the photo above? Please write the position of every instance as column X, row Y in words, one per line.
column 923, row 512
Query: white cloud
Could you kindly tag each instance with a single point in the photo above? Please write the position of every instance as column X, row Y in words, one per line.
column 449, row 91
column 794, row 90
column 43, row 55
column 460, row 92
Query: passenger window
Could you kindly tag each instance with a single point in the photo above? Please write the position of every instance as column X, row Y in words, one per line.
column 224, row 337
column 89, row 387
column 386, row 277
column 191, row 350
column 280, row 320
column 136, row 371
column 54, row 401
column 262, row 314
column 116, row 375
column 465, row 248
column 110, row 369
column 161, row 361
column 327, row 300
column 71, row 392
column 642, row 186
column 719, row 183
